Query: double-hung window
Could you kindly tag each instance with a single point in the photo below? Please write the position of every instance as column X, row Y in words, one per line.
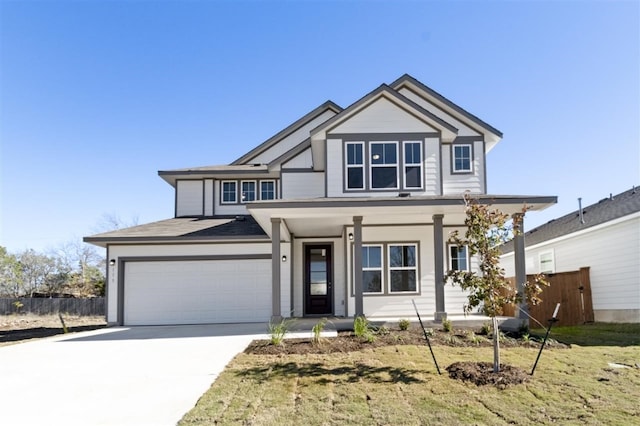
column 355, row 165
column 546, row 262
column 372, row 269
column 458, row 258
column 412, row 164
column 403, row 269
column 384, row 165
column 462, row 158
column 229, row 192
column 248, row 191
column 268, row 190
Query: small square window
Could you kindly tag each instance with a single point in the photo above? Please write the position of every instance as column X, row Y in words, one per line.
column 458, row 258
column 461, row 158
column 229, row 192
column 268, row 190
column 248, row 191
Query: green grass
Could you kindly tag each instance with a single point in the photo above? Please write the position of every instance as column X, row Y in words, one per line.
column 596, row 334
column 400, row 385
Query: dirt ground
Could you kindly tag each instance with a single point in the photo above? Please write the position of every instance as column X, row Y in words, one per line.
column 480, row 373
column 20, row 327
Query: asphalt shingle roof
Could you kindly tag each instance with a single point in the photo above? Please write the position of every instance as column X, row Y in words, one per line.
column 242, row 226
column 605, row 210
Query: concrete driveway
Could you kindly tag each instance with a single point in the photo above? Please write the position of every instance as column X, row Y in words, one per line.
column 116, row 376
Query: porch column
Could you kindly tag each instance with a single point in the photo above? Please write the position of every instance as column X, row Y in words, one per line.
column 438, row 257
column 275, row 269
column 357, row 264
column 520, row 266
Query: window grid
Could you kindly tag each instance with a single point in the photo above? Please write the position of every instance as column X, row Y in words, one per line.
column 248, row 191
column 369, row 269
column 406, row 269
column 354, row 153
column 268, row 190
column 461, row 158
column 458, row 258
column 412, row 164
column 384, row 156
column 229, row 192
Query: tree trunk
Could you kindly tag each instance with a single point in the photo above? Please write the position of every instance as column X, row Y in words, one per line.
column 496, row 345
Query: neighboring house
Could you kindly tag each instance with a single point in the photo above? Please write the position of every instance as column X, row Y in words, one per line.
column 606, row 238
column 374, row 188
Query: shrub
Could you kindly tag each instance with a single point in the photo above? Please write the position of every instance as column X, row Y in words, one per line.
column 277, row 331
column 486, row 329
column 362, row 328
column 446, row 325
column 404, row 324
column 317, row 331
column 383, row 331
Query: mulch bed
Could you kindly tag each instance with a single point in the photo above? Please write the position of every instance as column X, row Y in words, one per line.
column 481, row 373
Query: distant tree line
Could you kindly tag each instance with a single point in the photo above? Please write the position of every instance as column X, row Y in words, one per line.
column 71, row 269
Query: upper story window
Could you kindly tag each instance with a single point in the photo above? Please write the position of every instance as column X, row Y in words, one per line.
column 268, row 190
column 384, row 165
column 229, row 192
column 412, row 164
column 462, row 155
column 389, row 165
column 355, row 165
column 458, row 258
column 245, row 191
column 248, row 191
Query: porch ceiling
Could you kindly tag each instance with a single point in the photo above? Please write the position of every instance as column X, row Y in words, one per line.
column 328, row 216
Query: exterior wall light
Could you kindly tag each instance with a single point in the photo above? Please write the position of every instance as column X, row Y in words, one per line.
column 284, row 257
column 350, row 236
column 112, row 262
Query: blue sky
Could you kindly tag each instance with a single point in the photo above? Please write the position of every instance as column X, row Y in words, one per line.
column 96, row 97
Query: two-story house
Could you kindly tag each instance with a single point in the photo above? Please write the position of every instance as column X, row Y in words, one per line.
column 343, row 213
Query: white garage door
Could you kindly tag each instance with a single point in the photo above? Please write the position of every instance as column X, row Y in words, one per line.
column 197, row 292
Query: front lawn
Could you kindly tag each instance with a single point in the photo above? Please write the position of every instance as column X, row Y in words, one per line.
column 398, row 384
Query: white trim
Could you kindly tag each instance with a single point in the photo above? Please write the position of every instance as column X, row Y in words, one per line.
column 348, row 166
column 552, row 262
column 420, row 164
column 235, row 198
column 453, row 157
column 255, row 191
column 275, row 189
column 380, row 269
column 402, row 268
column 384, row 165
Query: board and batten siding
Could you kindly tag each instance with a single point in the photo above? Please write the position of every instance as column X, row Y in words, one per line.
column 189, row 198
column 611, row 251
column 458, row 183
column 292, row 140
column 296, row 185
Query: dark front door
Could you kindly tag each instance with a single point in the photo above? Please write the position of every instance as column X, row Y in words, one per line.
column 318, row 285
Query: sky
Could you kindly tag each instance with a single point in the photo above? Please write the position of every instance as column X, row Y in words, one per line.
column 97, row 96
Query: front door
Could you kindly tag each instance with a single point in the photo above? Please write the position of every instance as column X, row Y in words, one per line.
column 318, row 286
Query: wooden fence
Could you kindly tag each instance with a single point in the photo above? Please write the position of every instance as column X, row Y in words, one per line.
column 41, row 306
column 571, row 289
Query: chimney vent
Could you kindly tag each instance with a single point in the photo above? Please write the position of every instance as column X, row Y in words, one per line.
column 580, row 210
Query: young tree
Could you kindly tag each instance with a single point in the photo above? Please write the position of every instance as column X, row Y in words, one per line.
column 489, row 289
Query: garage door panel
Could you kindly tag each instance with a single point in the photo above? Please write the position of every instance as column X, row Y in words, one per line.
column 202, row 291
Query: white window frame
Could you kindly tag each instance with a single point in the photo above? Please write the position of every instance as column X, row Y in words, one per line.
column 402, row 268
column 373, row 166
column 453, row 157
column 379, row 269
column 552, row 262
column 235, row 192
column 255, row 191
column 451, row 257
column 420, row 164
column 348, row 166
column 275, row 189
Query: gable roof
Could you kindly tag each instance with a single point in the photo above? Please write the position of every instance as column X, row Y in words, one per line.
column 605, row 210
column 328, row 105
column 407, row 80
column 398, row 99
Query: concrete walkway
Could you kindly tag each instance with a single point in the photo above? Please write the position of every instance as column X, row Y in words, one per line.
column 116, row 376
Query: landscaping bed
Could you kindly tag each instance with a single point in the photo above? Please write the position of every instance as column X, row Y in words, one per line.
column 20, row 327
